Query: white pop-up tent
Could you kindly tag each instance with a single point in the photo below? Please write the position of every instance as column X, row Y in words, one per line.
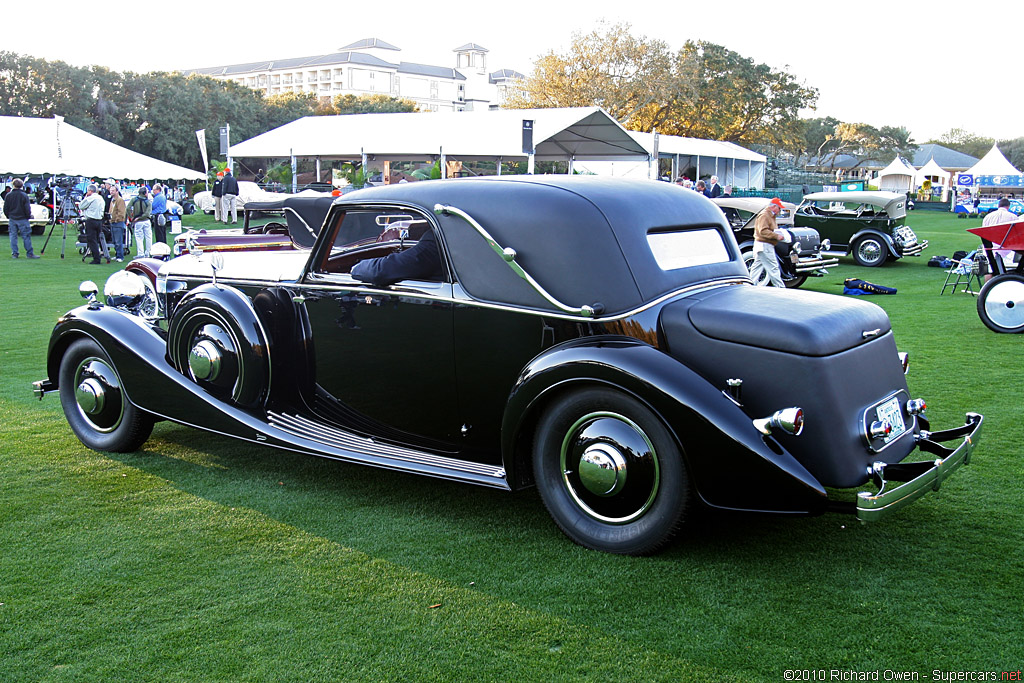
column 896, row 177
column 936, row 174
column 53, row 147
column 567, row 134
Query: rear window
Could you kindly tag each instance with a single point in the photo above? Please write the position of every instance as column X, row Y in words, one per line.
column 687, row 248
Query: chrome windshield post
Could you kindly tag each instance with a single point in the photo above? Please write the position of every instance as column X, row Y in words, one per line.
column 508, row 254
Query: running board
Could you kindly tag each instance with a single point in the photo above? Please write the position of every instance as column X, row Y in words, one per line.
column 331, row 442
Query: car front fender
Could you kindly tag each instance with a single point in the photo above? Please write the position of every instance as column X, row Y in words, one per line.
column 732, row 464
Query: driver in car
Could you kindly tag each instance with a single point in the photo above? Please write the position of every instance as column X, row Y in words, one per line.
column 420, row 262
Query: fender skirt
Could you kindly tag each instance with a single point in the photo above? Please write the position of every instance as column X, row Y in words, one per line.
column 731, row 464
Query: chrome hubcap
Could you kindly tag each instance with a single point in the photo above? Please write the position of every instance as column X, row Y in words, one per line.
column 204, row 360
column 90, row 396
column 598, row 452
column 603, row 470
column 870, row 250
column 1004, row 304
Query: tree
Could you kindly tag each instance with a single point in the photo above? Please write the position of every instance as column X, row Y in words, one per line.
column 860, row 140
column 704, row 90
column 367, row 104
column 1013, row 150
column 965, row 142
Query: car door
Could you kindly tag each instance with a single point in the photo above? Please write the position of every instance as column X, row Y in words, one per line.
column 384, row 355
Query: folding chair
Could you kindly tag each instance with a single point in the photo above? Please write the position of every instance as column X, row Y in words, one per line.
column 965, row 272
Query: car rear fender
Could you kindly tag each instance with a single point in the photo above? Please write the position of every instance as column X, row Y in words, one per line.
column 732, row 464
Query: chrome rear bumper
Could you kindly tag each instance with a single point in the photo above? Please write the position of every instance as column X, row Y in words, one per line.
column 919, row 477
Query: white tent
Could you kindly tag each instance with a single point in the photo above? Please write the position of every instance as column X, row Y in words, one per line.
column 734, row 165
column 932, row 171
column 51, row 146
column 569, row 134
column 896, row 177
column 993, row 164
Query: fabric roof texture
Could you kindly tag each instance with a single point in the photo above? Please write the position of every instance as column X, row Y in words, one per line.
column 993, row 163
column 51, row 146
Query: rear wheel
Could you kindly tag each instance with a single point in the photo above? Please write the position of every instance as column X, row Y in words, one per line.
column 870, row 251
column 610, row 473
column 1001, row 303
column 94, row 402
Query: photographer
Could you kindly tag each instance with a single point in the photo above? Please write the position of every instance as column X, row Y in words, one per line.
column 138, row 213
column 92, row 208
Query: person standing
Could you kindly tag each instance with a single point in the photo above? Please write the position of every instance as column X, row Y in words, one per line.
column 218, row 198
column 18, row 209
column 765, row 239
column 702, row 188
column 138, row 212
column 230, row 188
column 996, row 253
column 715, row 190
column 92, row 206
column 118, row 213
column 158, row 216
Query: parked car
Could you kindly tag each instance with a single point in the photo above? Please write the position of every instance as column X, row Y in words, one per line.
column 40, row 219
column 247, row 192
column 867, row 225
column 597, row 338
column 797, row 259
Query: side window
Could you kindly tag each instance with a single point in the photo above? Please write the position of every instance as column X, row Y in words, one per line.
column 377, row 233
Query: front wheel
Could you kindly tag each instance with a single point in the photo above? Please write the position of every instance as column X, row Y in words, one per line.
column 610, row 473
column 95, row 404
column 870, row 251
column 1001, row 303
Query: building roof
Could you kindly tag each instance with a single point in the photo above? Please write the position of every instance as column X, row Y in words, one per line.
column 328, row 60
column 944, row 156
column 369, row 44
column 471, row 47
column 428, row 70
column 504, row 74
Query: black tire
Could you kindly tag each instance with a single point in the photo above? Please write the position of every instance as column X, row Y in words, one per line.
column 747, row 253
column 595, row 438
column 1001, row 303
column 95, row 404
column 870, row 251
column 38, row 229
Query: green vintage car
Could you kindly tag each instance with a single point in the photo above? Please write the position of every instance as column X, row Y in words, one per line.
column 866, row 225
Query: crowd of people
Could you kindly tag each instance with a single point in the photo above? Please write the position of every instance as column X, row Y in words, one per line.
column 710, row 188
column 108, row 211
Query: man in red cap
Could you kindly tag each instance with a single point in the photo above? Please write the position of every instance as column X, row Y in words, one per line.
column 765, row 239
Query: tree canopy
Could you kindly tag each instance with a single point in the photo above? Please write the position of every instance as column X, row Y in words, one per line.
column 825, row 139
column 703, row 90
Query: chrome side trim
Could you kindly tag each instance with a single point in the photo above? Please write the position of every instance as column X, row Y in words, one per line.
column 340, row 439
column 509, row 256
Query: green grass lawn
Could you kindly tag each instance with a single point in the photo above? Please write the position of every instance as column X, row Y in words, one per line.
column 201, row 558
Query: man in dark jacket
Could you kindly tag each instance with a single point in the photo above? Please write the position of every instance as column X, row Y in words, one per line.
column 422, row 261
column 230, row 187
column 18, row 209
column 218, row 196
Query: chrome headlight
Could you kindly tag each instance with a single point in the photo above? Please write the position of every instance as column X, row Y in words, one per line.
column 130, row 292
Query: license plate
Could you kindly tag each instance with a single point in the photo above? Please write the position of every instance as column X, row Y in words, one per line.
column 890, row 412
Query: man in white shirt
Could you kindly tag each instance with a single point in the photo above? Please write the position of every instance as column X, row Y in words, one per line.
column 92, row 207
column 1001, row 215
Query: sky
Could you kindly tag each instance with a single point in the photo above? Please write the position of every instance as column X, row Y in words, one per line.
column 929, row 66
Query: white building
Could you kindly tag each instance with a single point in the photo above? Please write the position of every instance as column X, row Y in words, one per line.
column 366, row 67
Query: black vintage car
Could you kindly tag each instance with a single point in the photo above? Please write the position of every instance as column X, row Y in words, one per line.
column 597, row 338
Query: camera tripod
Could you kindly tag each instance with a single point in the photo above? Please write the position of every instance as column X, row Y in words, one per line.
column 65, row 211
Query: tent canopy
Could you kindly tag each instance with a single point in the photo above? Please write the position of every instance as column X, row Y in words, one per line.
column 896, row 177
column 934, row 170
column 993, row 163
column 50, row 146
column 580, row 133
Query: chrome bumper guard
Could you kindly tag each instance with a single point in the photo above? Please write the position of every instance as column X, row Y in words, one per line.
column 42, row 387
column 919, row 477
column 809, row 265
column 916, row 249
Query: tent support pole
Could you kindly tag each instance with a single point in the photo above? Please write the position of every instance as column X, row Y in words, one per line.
column 498, row 167
column 530, row 164
column 295, row 171
column 318, row 169
column 444, row 164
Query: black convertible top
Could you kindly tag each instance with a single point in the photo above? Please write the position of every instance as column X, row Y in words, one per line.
column 583, row 238
column 305, row 215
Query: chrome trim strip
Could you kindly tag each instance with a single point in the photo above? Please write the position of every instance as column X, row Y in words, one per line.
column 509, row 256
column 355, row 286
column 337, row 438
